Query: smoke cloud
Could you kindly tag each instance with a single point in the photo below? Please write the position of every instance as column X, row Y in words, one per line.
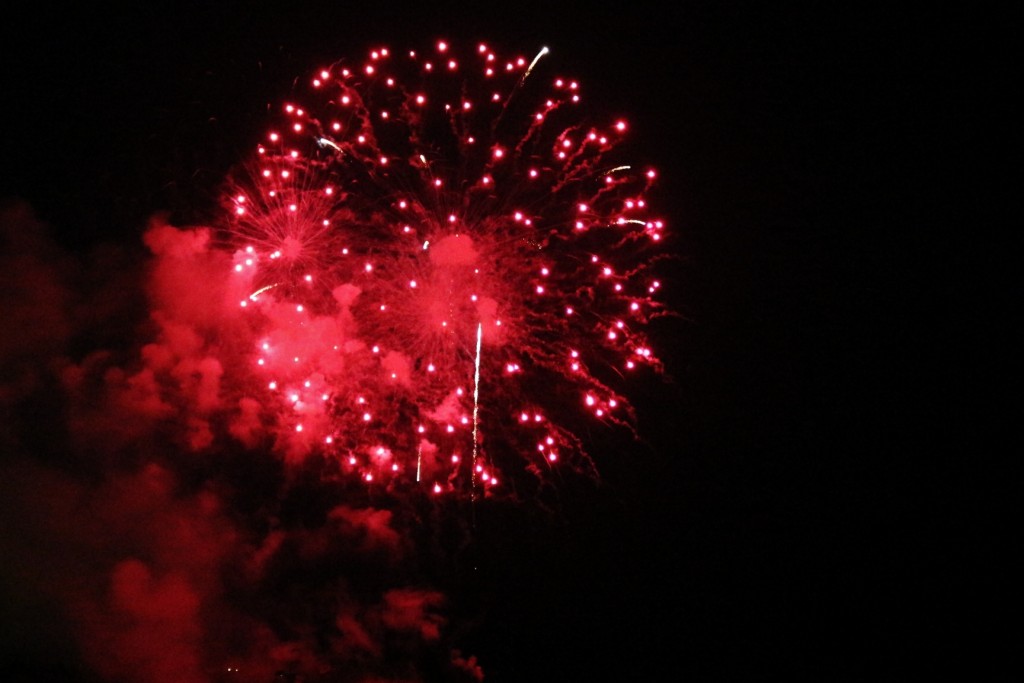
column 161, row 524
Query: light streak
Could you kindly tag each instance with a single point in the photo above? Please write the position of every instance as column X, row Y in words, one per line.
column 476, row 398
column 259, row 291
column 529, row 69
column 324, row 142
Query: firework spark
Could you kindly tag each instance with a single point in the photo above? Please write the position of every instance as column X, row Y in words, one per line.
column 438, row 251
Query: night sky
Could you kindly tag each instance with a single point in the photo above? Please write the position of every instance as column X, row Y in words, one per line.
column 781, row 516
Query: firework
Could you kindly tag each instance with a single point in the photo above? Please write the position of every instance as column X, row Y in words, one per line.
column 439, row 252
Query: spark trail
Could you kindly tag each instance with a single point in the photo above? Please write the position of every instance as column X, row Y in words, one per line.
column 476, row 401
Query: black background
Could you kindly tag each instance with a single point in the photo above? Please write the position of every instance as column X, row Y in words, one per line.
column 789, row 518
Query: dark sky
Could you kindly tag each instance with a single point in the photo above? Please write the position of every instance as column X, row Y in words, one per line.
column 784, row 520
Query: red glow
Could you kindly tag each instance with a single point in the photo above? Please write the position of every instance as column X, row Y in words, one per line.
column 446, row 240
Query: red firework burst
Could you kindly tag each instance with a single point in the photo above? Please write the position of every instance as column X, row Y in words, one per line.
column 442, row 252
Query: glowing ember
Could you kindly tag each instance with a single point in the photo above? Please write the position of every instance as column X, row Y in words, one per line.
column 414, row 230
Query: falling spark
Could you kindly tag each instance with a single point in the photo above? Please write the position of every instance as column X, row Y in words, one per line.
column 529, row 69
column 325, row 142
column 259, row 291
column 476, row 398
column 419, row 461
